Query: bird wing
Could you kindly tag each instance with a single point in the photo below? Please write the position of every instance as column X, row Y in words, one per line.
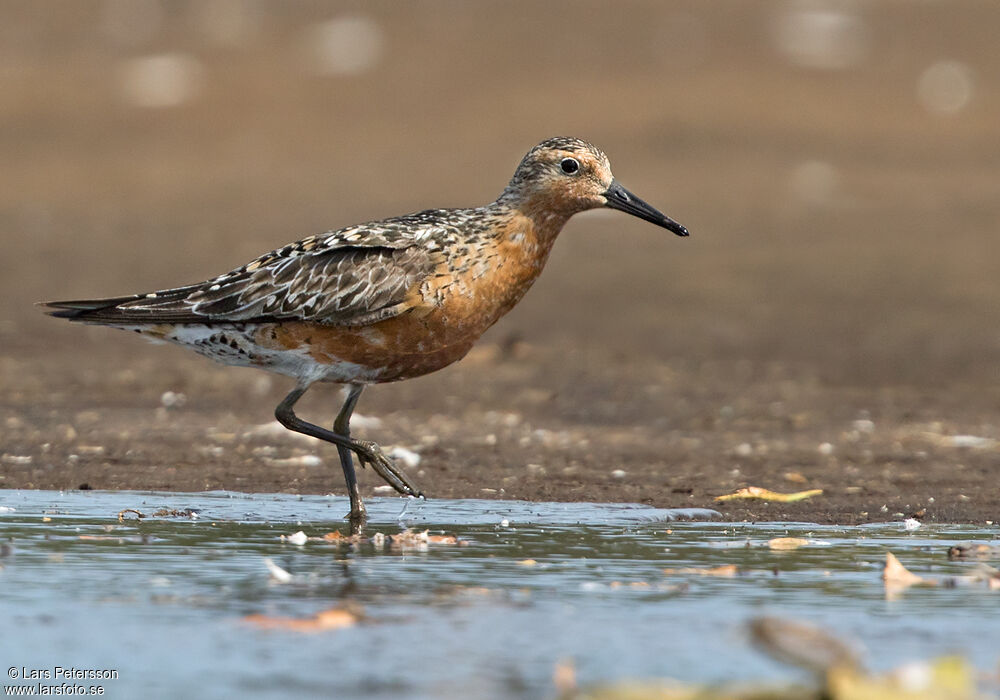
column 351, row 277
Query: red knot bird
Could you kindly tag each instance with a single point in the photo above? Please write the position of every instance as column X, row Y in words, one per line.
column 381, row 301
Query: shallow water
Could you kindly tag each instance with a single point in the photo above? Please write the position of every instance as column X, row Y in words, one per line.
column 162, row 601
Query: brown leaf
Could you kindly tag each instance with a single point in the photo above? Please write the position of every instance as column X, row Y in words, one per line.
column 325, row 620
column 801, row 644
column 340, row 538
column 897, row 576
column 564, row 677
column 442, row 539
column 409, row 539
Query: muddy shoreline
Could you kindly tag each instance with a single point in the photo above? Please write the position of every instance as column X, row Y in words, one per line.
column 668, row 435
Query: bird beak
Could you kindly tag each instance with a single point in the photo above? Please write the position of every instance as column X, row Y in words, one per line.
column 617, row 197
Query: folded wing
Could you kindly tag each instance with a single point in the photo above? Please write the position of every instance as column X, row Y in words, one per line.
column 335, row 282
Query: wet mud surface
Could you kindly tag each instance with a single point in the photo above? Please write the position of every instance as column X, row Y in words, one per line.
column 536, row 426
column 832, row 323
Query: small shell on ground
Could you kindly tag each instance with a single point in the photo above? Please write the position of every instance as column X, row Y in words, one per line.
column 299, row 461
column 275, row 430
column 277, row 573
column 409, row 458
column 299, row 538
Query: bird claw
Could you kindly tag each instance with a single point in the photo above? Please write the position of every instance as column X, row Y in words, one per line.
column 371, row 454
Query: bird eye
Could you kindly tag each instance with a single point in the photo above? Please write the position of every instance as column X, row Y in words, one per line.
column 570, row 166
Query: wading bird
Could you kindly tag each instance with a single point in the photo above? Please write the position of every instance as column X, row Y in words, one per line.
column 381, row 301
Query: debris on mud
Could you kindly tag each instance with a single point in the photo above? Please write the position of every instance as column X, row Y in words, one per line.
column 175, row 513
column 404, row 540
column 974, row 551
column 298, row 538
column 838, row 668
column 765, row 494
column 161, row 513
column 278, row 574
column 801, row 644
column 336, row 618
column 898, row 578
column 724, row 571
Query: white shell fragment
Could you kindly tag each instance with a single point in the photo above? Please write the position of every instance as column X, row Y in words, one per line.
column 408, row 458
column 277, row 573
column 299, row 538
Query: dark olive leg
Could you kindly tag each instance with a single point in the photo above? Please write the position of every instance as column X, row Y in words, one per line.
column 368, row 452
column 342, row 426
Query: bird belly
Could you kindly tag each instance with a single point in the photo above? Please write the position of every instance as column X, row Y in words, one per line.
column 238, row 345
column 391, row 350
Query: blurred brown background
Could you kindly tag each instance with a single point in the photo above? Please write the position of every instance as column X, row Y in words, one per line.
column 838, row 165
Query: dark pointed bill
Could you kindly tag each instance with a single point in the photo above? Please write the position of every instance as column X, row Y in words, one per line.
column 621, row 199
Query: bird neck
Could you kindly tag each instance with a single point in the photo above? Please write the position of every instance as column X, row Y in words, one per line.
column 543, row 217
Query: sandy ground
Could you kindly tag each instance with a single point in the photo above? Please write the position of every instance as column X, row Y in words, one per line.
column 831, row 323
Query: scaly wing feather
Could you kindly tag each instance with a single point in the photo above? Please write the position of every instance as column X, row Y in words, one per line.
column 350, row 277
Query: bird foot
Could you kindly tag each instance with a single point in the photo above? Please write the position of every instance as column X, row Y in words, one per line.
column 357, row 519
column 370, row 454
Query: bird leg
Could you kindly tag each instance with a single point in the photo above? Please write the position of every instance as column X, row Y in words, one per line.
column 342, row 426
column 369, row 453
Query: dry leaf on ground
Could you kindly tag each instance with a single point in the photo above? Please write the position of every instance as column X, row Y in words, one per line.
column 325, row 620
column 765, row 494
column 341, row 538
column 121, row 514
column 410, row 539
column 725, row 571
column 564, row 677
column 897, row 576
column 944, row 678
column 801, row 644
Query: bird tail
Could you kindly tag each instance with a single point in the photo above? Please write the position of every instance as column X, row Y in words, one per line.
column 155, row 307
column 92, row 310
